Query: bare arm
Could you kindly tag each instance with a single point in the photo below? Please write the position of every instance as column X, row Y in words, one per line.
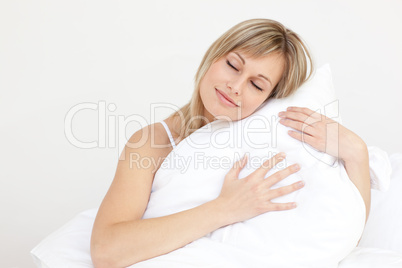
column 133, row 241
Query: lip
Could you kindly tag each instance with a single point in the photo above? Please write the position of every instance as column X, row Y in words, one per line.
column 225, row 98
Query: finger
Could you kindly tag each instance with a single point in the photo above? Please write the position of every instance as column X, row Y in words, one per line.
column 303, row 137
column 306, row 111
column 298, row 116
column 270, row 163
column 280, row 175
column 299, row 126
column 281, row 206
column 238, row 166
column 281, row 191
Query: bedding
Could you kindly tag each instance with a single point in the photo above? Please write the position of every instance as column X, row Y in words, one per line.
column 330, row 214
column 380, row 169
column 69, row 245
column 384, row 229
column 366, row 257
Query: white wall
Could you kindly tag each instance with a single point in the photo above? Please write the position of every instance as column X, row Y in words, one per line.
column 58, row 54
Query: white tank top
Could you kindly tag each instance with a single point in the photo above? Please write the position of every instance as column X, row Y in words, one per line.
column 169, row 134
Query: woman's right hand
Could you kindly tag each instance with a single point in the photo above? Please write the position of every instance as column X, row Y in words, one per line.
column 251, row 196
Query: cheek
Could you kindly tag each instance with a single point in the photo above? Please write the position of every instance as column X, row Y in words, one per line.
column 249, row 106
column 207, row 79
column 252, row 103
column 216, row 72
column 213, row 77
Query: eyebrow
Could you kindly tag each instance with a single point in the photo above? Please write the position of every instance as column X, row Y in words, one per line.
column 260, row 75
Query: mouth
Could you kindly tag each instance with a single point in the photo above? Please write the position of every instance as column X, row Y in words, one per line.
column 225, row 99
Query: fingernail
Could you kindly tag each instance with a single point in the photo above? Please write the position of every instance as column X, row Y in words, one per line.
column 296, row 167
column 281, row 114
column 300, row 183
column 294, row 205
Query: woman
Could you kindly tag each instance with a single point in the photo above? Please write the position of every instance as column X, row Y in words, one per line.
column 250, row 63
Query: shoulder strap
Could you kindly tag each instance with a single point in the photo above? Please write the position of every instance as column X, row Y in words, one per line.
column 169, row 134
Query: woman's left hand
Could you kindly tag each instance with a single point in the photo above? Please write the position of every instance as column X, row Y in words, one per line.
column 322, row 133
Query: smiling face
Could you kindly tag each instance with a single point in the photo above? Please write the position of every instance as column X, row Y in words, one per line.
column 246, row 81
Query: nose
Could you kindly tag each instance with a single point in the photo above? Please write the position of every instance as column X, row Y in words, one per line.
column 235, row 86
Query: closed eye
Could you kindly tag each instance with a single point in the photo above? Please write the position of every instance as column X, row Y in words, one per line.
column 231, row 65
column 238, row 70
column 256, row 86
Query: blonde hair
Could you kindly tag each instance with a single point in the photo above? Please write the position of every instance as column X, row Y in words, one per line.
column 255, row 37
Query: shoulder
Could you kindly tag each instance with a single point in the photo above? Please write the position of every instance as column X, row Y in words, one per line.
column 153, row 134
column 149, row 144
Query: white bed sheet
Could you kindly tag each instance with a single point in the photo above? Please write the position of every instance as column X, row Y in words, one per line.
column 384, row 226
column 362, row 257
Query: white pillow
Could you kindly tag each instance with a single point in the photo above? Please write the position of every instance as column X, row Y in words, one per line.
column 320, row 232
column 380, row 169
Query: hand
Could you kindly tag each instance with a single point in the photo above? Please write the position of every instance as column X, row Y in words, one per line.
column 322, row 133
column 251, row 196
